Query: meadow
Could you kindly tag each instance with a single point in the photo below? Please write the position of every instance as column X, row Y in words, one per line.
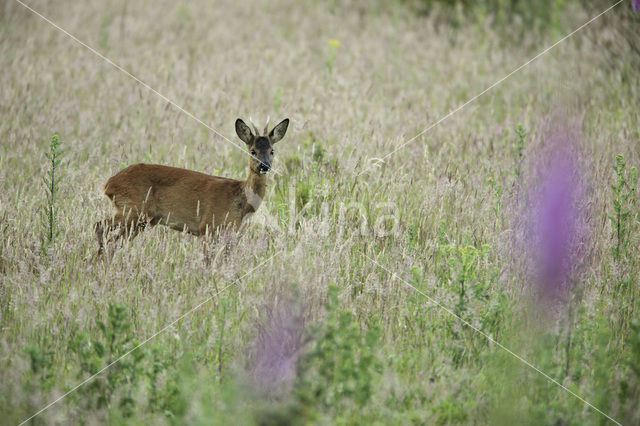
column 485, row 272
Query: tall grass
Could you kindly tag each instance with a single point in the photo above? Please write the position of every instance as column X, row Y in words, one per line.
column 341, row 340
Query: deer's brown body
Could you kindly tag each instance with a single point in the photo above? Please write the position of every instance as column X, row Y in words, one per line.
column 186, row 200
column 182, row 199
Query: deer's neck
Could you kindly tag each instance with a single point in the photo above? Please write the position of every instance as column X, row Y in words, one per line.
column 255, row 187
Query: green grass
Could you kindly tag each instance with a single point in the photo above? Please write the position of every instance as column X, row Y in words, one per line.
column 362, row 345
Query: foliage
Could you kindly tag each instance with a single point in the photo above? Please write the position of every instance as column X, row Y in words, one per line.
column 534, row 16
column 624, row 201
column 622, row 48
column 42, row 364
column 92, row 355
column 338, row 372
column 519, row 148
column 630, row 381
column 497, row 191
column 466, row 272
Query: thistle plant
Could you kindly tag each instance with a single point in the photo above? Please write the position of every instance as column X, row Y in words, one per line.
column 623, row 200
column 51, row 180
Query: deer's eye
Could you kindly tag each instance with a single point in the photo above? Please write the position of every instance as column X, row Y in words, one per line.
column 272, row 152
column 253, row 152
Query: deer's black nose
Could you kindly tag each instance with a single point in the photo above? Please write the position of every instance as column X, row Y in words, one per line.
column 264, row 167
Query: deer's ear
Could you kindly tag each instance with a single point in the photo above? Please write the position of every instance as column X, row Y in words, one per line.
column 243, row 131
column 279, row 131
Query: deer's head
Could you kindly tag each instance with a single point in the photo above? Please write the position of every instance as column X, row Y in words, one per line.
column 260, row 146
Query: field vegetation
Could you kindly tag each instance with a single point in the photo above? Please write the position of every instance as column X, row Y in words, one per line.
column 369, row 288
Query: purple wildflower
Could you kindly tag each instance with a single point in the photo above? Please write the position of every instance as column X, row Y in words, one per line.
column 556, row 221
column 276, row 348
column 551, row 229
column 557, row 232
column 635, row 5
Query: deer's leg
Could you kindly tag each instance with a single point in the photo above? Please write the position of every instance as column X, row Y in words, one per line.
column 205, row 230
column 117, row 223
column 127, row 226
column 99, row 229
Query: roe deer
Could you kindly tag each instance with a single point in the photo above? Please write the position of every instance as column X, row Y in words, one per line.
column 187, row 200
